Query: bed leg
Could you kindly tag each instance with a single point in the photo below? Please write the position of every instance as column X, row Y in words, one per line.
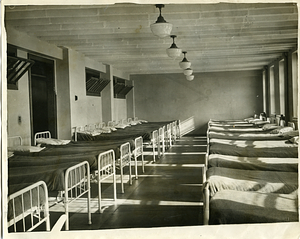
column 136, row 170
column 130, row 178
column 99, row 193
column 89, row 203
column 122, row 185
column 89, row 197
column 206, row 205
column 115, row 183
column 143, row 165
column 67, row 214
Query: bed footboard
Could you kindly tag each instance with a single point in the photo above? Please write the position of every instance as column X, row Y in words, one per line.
column 106, row 169
column 124, row 160
column 138, row 151
column 155, row 143
column 29, row 205
column 77, row 183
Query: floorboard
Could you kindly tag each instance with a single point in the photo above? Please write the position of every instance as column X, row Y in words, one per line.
column 169, row 193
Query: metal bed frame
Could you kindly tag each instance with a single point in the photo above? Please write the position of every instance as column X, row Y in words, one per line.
column 155, row 144
column 124, row 160
column 138, row 151
column 37, row 211
column 106, row 169
column 44, row 134
column 206, row 192
column 77, row 183
column 161, row 139
column 14, row 140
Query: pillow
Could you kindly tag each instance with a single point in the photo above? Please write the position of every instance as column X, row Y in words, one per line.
column 50, row 141
column 294, row 140
column 270, row 126
column 282, row 130
column 120, row 126
column 292, row 133
column 25, row 148
column 262, row 122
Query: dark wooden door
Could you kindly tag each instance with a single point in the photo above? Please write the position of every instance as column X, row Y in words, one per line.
column 43, row 97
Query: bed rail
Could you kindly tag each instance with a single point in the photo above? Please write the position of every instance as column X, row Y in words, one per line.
column 77, row 183
column 44, row 134
column 168, row 136
column 29, row 203
column 101, row 125
column 174, row 131
column 292, row 124
column 155, row 144
column 161, row 135
column 124, row 160
column 14, row 141
column 106, row 169
column 138, row 152
column 111, row 123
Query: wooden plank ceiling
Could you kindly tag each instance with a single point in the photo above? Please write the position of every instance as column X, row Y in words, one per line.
column 217, row 37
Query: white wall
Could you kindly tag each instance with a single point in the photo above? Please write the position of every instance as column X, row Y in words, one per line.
column 18, row 105
column 120, row 109
column 86, row 109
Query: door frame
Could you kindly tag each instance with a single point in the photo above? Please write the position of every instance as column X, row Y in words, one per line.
column 40, row 58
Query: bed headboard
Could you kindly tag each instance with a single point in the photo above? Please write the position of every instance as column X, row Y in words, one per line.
column 14, row 141
column 44, row 134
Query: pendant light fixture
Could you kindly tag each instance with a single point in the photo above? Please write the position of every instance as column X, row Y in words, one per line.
column 184, row 64
column 174, row 51
column 190, row 77
column 188, row 72
column 161, row 28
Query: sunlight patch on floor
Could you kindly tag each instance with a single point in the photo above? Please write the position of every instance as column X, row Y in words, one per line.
column 187, row 145
column 176, row 165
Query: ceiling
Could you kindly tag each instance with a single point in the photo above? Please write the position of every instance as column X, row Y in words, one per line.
column 217, row 37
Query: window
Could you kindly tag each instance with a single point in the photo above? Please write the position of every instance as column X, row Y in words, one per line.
column 94, row 82
column 16, row 67
column 120, row 88
column 272, row 91
column 264, row 92
column 295, row 83
column 281, row 87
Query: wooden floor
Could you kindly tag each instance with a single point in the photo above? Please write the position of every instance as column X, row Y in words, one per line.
column 169, row 193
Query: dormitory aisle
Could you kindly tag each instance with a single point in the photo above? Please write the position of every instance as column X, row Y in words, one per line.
column 169, row 193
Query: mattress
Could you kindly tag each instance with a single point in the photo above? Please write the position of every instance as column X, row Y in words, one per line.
column 236, row 129
column 253, row 163
column 80, row 147
column 129, row 133
column 219, row 179
column 233, row 207
column 264, row 135
column 24, row 170
column 248, row 148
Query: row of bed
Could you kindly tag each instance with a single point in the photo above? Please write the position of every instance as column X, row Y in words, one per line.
column 251, row 172
column 64, row 168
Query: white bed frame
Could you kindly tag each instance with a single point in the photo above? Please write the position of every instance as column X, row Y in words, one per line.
column 14, row 140
column 155, row 144
column 161, row 137
column 138, row 152
column 206, row 192
column 44, row 134
column 125, row 159
column 40, row 212
column 77, row 183
column 106, row 169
